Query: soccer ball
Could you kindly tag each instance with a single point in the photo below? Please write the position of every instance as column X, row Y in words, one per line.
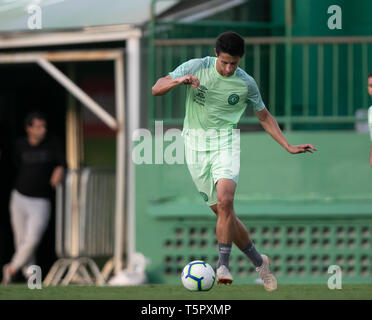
column 198, row 276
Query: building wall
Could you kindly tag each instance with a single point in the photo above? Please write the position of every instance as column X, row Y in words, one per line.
column 306, row 211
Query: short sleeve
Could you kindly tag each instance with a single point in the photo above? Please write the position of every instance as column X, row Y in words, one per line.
column 370, row 122
column 254, row 99
column 186, row 68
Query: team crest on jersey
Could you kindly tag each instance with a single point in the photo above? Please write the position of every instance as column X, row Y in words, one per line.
column 233, row 99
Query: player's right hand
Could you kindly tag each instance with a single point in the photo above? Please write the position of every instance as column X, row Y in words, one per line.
column 190, row 80
column 302, row 148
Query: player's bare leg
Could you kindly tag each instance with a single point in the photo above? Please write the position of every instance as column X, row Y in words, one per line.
column 226, row 215
column 240, row 236
column 225, row 228
column 231, row 229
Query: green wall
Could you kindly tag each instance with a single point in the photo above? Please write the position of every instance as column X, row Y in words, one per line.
column 100, row 152
column 310, row 17
column 305, row 211
column 339, row 168
column 305, row 207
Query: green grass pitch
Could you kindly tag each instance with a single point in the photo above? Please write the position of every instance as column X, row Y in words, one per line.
column 177, row 292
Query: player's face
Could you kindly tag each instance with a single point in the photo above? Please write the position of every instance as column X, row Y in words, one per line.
column 38, row 129
column 226, row 64
column 370, row 86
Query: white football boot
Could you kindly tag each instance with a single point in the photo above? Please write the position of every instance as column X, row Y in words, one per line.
column 223, row 275
column 267, row 277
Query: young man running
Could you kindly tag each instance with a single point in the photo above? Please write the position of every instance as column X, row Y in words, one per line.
column 217, row 94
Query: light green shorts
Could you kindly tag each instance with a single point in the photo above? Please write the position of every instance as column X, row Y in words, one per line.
column 207, row 167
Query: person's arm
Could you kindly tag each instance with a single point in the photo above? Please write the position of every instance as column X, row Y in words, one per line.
column 57, row 176
column 165, row 84
column 60, row 164
column 370, row 156
column 271, row 127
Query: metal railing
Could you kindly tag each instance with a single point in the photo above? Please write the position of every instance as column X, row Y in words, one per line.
column 85, row 219
column 85, row 208
column 303, row 80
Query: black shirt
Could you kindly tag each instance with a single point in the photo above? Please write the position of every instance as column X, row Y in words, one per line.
column 35, row 164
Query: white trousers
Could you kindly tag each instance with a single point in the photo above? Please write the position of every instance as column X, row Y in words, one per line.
column 29, row 219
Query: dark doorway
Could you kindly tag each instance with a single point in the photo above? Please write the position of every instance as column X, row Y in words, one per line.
column 25, row 88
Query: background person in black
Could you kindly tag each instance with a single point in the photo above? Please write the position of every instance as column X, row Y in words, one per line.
column 40, row 164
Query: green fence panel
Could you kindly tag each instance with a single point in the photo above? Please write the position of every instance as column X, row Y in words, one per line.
column 302, row 80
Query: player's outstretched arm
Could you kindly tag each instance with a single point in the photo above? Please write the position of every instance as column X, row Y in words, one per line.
column 165, row 84
column 271, row 126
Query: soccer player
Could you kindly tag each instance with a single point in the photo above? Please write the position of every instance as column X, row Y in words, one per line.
column 217, row 94
column 369, row 87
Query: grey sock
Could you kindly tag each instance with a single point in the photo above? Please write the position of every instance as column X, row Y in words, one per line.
column 224, row 250
column 251, row 252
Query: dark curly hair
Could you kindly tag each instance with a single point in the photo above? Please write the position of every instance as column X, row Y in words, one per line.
column 34, row 115
column 230, row 42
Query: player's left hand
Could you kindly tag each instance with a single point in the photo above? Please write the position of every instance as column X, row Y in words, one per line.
column 302, row 148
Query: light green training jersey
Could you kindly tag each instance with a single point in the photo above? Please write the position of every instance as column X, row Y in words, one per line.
column 217, row 104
